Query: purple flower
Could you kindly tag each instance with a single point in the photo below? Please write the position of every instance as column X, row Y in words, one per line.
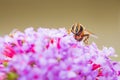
column 52, row 54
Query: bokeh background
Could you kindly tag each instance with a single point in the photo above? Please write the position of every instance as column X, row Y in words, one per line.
column 99, row 16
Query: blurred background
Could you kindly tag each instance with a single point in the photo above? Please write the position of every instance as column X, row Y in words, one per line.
column 101, row 17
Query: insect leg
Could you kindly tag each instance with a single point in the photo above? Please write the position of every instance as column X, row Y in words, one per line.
column 86, row 38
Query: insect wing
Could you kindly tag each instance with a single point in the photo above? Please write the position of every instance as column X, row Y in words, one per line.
column 91, row 34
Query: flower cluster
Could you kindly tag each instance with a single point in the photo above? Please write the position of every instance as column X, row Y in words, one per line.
column 53, row 54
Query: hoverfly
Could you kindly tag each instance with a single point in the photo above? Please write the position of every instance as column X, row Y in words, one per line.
column 80, row 33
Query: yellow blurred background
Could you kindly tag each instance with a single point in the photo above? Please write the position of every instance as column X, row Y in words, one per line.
column 102, row 17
